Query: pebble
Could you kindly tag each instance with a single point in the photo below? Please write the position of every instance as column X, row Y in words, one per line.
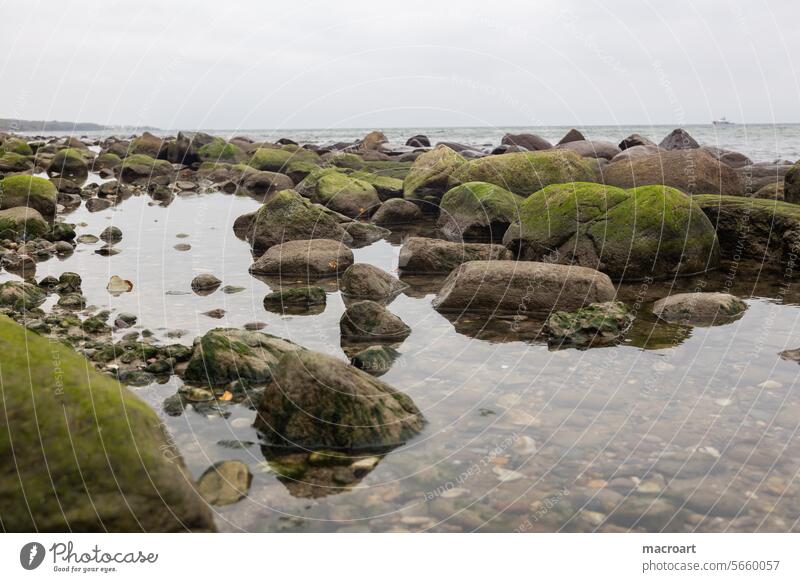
column 507, row 475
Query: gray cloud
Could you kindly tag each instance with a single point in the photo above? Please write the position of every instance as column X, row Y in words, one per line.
column 233, row 64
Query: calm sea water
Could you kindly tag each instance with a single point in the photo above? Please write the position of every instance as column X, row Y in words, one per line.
column 677, row 429
column 760, row 142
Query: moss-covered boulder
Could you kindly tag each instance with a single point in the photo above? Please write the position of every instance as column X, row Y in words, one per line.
column 80, row 453
column 30, row 191
column 340, row 192
column 15, row 145
column 142, row 169
column 318, row 402
column 524, row 173
column 287, row 216
column 375, row 360
column 15, row 163
column 430, row 173
column 220, row 150
column 106, row 161
column 597, row 324
column 223, row 355
column 386, row 186
column 296, row 300
column 22, row 221
column 767, row 231
column 791, row 184
column 69, row 163
column 650, row 231
column 693, row 171
column 477, row 210
column 20, row 296
column 369, row 321
column 290, row 160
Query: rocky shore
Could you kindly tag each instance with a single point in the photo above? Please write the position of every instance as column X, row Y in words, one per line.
column 537, row 234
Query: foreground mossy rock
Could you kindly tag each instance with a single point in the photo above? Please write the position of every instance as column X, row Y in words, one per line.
column 318, row 402
column 692, row 171
column 767, row 231
column 17, row 146
column 421, row 256
column 340, row 192
column 594, row 325
column 22, row 221
column 69, row 163
column 287, row 216
column 397, row 211
column 142, row 169
column 791, row 185
column 223, row 355
column 477, row 210
column 30, row 191
column 525, row 172
column 700, row 309
column 429, row 175
column 521, row 287
column 79, row 452
column 12, row 163
column 292, row 161
column 368, row 321
column 650, row 231
column 313, row 258
column 365, row 281
column 20, row 296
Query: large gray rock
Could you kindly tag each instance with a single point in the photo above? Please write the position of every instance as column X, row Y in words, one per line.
column 369, row 282
column 521, row 287
column 634, row 140
column 700, row 309
column 678, row 139
column 368, row 321
column 313, row 258
column 592, row 148
column 318, row 402
column 420, row 255
column 397, row 211
column 529, row 141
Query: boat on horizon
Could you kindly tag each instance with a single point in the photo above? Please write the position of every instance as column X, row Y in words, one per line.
column 722, row 121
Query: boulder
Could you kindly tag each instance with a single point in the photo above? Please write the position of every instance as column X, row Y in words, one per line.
column 20, row 296
column 526, row 172
column 678, row 139
column 205, row 282
column 756, row 176
column 375, row 360
column 261, row 183
column 592, row 149
column 22, row 221
column 364, row 233
column 149, row 145
column 635, row 152
column 111, row 234
column 318, row 402
column 184, row 149
column 219, row 150
column 70, row 164
column 699, row 308
column 572, row 135
column 287, row 216
column 767, row 231
column 373, row 141
column 598, row 324
column 224, row 355
column 418, row 141
column 429, row 175
column 728, row 157
column 296, row 300
column 397, row 211
column 15, row 145
column 312, row 258
column 293, row 161
column 340, row 192
column 30, row 191
column 521, row 287
column 103, row 462
column 369, row 282
column 427, row 256
column 106, row 161
column 477, row 210
column 13, row 163
column 692, row 171
column 368, row 321
column 773, row 191
column 529, row 141
column 650, row 231
column 386, row 186
column 634, row 140
column 142, row 169
column 791, row 184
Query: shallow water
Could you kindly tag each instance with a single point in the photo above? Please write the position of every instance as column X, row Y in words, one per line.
column 675, row 429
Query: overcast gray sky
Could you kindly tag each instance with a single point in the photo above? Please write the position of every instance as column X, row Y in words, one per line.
column 297, row 64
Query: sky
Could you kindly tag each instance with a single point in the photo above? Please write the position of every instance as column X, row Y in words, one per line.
column 338, row 64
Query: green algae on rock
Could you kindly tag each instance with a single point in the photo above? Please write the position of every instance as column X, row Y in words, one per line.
column 69, row 163
column 31, row 191
column 20, row 296
column 340, row 192
column 650, row 231
column 138, row 168
column 223, row 355
column 524, row 173
column 429, row 175
column 478, row 210
column 220, row 150
column 317, row 402
column 110, row 465
column 594, row 325
column 22, row 221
